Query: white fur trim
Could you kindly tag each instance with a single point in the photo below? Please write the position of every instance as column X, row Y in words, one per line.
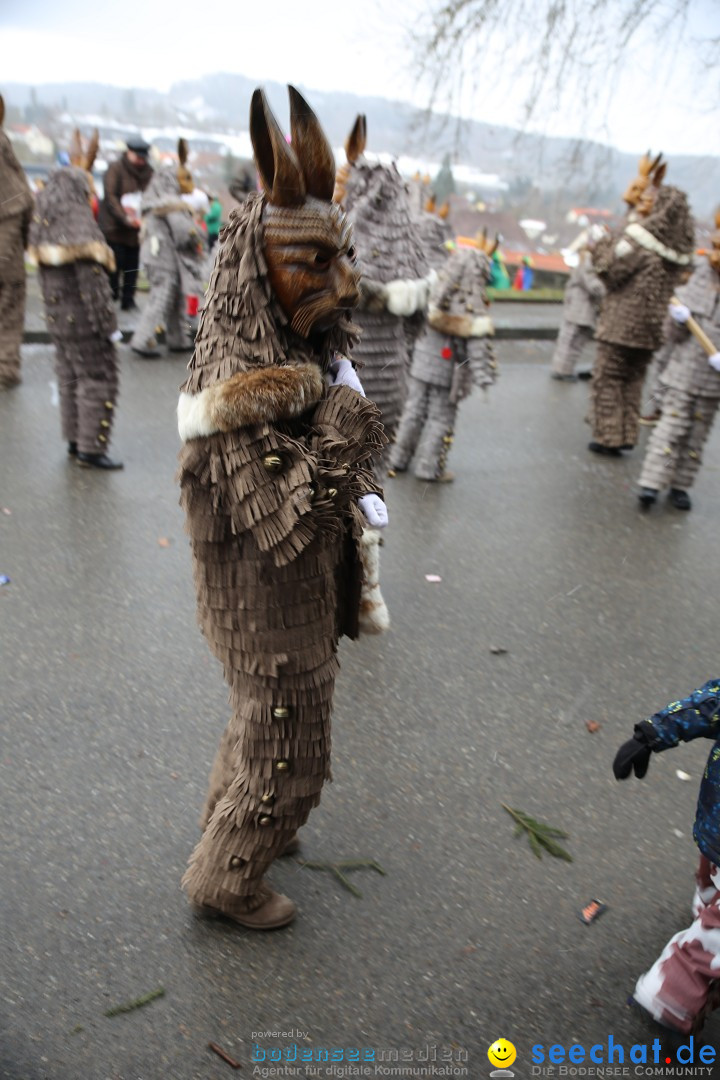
column 64, row 254
column 623, row 247
column 645, row 239
column 194, row 415
column 374, row 616
column 482, row 326
column 405, row 296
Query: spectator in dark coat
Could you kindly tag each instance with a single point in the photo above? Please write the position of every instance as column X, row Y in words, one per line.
column 120, row 223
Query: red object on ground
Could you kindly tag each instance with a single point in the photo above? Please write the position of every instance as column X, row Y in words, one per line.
column 192, row 305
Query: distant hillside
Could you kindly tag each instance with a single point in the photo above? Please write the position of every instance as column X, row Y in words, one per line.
column 579, row 170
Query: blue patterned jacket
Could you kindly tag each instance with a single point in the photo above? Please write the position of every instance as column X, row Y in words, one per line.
column 694, row 717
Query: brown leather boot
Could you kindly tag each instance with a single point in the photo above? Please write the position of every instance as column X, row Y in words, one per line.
column 276, row 911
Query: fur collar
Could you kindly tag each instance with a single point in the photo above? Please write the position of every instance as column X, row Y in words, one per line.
column 262, row 395
column 462, row 326
column 63, row 254
column 645, row 239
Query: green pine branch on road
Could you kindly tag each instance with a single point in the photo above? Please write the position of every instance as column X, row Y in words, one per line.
column 542, row 837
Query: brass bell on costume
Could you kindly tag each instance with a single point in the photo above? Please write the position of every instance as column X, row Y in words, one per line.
column 272, row 462
column 282, row 766
column 281, row 712
column 265, row 820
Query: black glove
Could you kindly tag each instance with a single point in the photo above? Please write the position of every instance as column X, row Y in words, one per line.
column 635, row 753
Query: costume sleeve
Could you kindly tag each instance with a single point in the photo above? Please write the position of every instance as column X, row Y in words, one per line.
column 481, row 359
column 616, row 259
column 694, row 717
column 94, row 292
column 283, row 488
column 590, row 282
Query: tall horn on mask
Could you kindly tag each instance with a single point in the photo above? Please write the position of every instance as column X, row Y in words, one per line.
column 658, row 173
column 357, row 139
column 313, row 151
column 277, row 166
column 77, row 156
column 91, row 152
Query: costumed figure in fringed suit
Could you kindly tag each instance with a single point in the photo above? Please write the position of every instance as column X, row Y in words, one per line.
column 172, row 254
column 75, row 262
column 395, row 275
column 16, row 207
column 690, row 384
column 276, row 482
column 583, row 295
column 454, row 353
column 682, row 987
column 639, row 268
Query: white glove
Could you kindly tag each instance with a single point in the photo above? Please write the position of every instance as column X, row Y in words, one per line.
column 679, row 312
column 375, row 511
column 344, row 374
column 714, row 361
column 115, row 337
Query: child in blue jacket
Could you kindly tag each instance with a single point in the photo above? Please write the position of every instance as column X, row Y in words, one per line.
column 683, row 985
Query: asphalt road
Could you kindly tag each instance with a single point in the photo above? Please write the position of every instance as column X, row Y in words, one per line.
column 111, row 706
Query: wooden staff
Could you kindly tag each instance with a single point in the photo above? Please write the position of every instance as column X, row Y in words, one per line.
column 697, row 331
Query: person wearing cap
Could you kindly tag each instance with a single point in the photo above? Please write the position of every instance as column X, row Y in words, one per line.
column 121, row 227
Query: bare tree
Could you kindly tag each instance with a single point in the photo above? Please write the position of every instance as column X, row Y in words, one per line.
column 561, row 51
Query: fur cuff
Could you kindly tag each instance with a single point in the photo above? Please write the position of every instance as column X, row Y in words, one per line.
column 250, row 397
column 645, row 239
column 63, row 254
column 405, row 297
column 374, row 617
column 462, row 326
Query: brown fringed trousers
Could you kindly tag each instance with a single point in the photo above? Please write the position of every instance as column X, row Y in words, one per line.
column 616, row 393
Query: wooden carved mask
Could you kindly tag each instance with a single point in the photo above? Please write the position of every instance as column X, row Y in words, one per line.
column 308, row 239
column 640, row 192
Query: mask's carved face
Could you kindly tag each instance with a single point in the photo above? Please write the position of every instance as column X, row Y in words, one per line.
column 635, row 190
column 714, row 252
column 646, row 201
column 311, row 264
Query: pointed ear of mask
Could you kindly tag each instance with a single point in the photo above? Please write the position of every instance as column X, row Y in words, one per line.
column 277, row 165
column 659, row 174
column 77, row 157
column 182, row 151
column 356, row 140
column 91, row 152
column 2, row 110
column 645, row 165
column 311, row 147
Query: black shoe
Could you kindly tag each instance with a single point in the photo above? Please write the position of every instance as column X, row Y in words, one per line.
column 180, row 348
column 563, row 378
column 609, row 451
column 647, row 497
column 584, row 376
column 97, row 461
column 680, row 499
column 628, row 446
column 129, row 305
column 72, row 449
column 147, row 354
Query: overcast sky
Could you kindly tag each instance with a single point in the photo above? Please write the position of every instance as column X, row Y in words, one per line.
column 356, row 45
